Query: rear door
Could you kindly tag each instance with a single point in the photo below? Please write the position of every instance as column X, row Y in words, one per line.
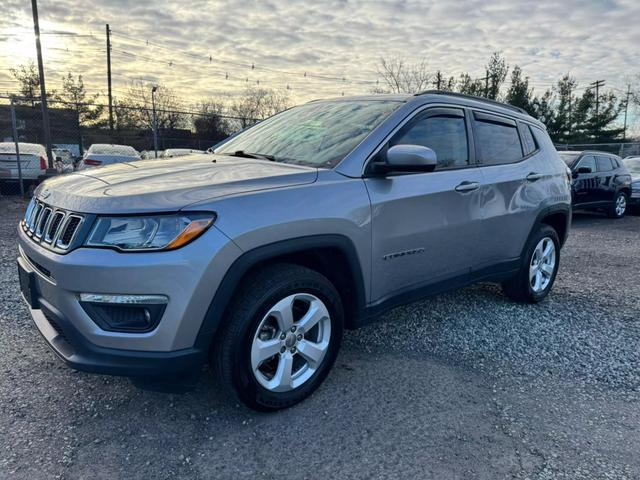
column 514, row 176
column 425, row 225
column 606, row 187
column 585, row 183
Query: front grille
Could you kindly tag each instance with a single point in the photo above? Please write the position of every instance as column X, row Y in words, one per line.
column 51, row 227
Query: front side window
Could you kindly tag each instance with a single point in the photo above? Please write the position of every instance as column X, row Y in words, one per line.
column 446, row 135
column 587, row 162
column 498, row 142
column 319, row 134
column 604, row 164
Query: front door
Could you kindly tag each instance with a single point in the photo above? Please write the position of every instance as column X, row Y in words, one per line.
column 425, row 225
column 585, row 181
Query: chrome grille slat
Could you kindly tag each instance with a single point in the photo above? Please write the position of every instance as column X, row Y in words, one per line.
column 53, row 228
column 68, row 231
column 42, row 221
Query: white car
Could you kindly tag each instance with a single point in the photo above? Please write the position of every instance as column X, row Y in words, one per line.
column 100, row 154
column 179, row 152
column 33, row 162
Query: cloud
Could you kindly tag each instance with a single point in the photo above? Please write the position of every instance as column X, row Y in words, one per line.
column 337, row 38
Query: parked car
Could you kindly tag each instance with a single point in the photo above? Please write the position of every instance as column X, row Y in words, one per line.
column 315, row 220
column 150, row 154
column 179, row 152
column 33, row 164
column 105, row 154
column 633, row 165
column 600, row 181
column 63, row 160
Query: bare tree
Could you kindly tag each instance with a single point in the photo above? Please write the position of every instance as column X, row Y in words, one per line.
column 210, row 123
column 401, row 77
column 135, row 109
column 258, row 103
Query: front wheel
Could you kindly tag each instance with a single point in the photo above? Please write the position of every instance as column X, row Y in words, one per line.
column 619, row 206
column 281, row 337
column 538, row 267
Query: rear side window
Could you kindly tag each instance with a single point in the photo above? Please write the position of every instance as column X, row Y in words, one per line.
column 528, row 140
column 498, row 140
column 587, row 162
column 444, row 134
column 604, row 164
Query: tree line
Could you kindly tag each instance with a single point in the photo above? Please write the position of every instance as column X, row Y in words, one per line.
column 571, row 114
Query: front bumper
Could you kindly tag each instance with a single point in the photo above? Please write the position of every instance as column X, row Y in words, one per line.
column 188, row 277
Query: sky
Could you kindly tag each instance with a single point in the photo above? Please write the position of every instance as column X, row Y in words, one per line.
column 321, row 48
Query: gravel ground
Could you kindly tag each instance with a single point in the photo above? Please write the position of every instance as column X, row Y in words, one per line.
column 465, row 385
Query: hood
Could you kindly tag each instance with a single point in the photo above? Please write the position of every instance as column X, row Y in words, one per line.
column 167, row 184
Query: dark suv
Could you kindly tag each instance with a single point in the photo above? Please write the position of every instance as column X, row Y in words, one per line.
column 601, row 181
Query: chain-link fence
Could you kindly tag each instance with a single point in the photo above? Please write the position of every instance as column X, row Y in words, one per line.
column 81, row 137
column 622, row 149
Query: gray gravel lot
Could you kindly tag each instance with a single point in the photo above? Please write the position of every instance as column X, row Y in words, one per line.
column 465, row 385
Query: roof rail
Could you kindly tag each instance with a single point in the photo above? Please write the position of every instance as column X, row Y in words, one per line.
column 473, row 97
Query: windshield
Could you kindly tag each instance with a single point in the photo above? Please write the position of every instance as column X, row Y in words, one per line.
column 569, row 158
column 633, row 164
column 318, row 134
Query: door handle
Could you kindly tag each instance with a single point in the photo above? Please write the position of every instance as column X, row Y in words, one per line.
column 532, row 177
column 467, row 186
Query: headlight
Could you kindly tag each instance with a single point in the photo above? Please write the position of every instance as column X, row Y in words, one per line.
column 148, row 233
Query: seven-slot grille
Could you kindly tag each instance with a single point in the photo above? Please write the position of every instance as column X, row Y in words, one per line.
column 51, row 227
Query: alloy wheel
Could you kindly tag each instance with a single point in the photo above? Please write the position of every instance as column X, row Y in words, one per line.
column 621, row 205
column 290, row 342
column 542, row 265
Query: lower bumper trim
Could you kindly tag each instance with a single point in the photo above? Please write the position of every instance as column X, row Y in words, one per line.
column 77, row 352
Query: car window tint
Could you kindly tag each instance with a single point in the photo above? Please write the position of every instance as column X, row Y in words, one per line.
column 587, row 162
column 604, row 164
column 528, row 140
column 498, row 143
column 445, row 135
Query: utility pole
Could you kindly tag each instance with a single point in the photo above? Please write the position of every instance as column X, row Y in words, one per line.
column 626, row 109
column 438, row 80
column 109, row 77
column 155, row 120
column 43, row 90
column 597, row 84
column 14, row 126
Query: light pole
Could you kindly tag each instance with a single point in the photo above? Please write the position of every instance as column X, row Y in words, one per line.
column 155, row 120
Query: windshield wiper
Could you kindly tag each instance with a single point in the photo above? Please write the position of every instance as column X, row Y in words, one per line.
column 260, row 156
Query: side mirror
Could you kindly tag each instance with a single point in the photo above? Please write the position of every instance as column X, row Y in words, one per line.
column 410, row 158
column 584, row 170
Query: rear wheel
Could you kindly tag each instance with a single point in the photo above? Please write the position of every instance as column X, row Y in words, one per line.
column 619, row 206
column 281, row 337
column 538, row 268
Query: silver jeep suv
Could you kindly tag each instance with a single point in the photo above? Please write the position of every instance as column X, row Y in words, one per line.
column 317, row 219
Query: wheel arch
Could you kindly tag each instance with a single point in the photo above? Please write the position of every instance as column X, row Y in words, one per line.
column 558, row 217
column 334, row 256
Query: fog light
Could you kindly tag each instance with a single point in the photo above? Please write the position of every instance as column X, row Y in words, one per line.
column 124, row 313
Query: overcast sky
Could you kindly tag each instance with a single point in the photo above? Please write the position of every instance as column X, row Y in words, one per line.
column 341, row 39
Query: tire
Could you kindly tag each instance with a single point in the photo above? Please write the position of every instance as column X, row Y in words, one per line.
column 619, row 207
column 257, row 318
column 519, row 287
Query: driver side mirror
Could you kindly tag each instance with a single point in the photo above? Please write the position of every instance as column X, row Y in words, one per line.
column 409, row 158
column 584, row 170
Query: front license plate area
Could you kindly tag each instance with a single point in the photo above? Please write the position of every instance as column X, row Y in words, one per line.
column 28, row 285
